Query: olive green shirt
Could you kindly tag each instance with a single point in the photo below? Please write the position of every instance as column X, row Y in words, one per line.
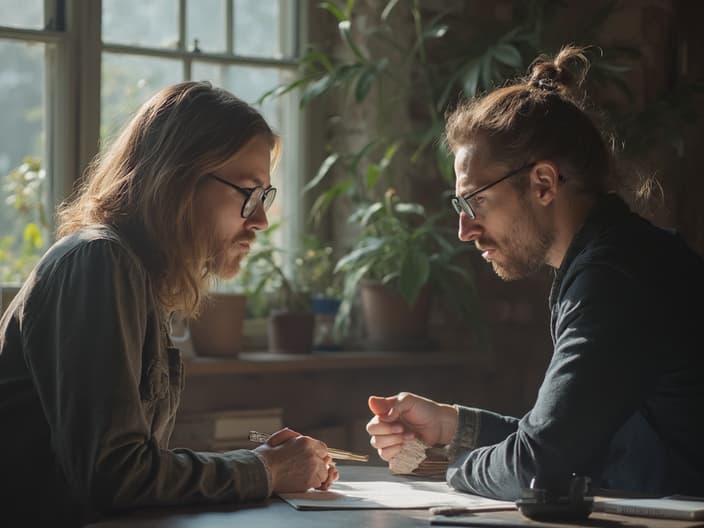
column 89, row 388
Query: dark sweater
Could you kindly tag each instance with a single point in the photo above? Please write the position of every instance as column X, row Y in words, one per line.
column 622, row 400
column 89, row 389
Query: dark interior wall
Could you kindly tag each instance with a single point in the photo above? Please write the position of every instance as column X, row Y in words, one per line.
column 669, row 38
column 688, row 41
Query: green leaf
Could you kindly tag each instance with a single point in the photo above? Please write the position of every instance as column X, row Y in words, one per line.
column 323, row 170
column 387, row 10
column 508, row 54
column 370, row 212
column 358, row 156
column 389, row 154
column 324, row 201
column 314, row 57
column 415, row 270
column 437, row 31
column 373, row 173
column 33, row 236
column 470, row 79
column 370, row 246
column 409, row 208
column 487, row 71
column 334, row 10
column 315, row 89
column 364, row 83
column 349, row 294
column 345, row 28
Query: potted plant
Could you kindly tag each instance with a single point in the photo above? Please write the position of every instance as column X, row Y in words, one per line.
column 399, row 260
column 276, row 279
column 217, row 331
column 325, row 286
column 390, row 73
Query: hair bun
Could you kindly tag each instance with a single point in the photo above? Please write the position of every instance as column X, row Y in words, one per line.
column 553, row 75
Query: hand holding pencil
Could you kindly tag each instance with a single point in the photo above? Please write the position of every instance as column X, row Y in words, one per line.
column 296, row 462
column 337, row 454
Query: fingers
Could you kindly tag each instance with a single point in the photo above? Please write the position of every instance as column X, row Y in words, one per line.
column 388, row 453
column 316, row 446
column 376, row 427
column 332, row 476
column 384, row 441
column 390, row 409
column 381, row 406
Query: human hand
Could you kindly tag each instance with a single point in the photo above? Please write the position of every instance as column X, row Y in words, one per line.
column 297, row 462
column 405, row 416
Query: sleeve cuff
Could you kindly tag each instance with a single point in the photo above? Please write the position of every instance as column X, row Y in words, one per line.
column 267, row 470
column 467, row 433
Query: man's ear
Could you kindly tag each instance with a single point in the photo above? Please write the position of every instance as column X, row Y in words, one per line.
column 544, row 181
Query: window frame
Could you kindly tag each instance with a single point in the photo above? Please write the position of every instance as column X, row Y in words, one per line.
column 72, row 33
column 59, row 160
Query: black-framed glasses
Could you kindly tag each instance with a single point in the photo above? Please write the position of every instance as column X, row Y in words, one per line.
column 461, row 203
column 254, row 196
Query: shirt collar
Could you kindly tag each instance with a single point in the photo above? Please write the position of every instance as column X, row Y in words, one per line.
column 608, row 210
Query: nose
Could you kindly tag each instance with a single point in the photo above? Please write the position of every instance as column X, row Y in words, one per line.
column 469, row 229
column 258, row 221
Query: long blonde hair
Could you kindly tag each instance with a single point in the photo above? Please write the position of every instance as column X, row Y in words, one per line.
column 144, row 184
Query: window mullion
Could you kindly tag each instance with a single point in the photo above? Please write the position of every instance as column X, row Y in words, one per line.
column 84, row 26
column 182, row 44
column 230, row 28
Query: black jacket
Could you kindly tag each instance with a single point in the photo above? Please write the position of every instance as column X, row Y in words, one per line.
column 622, row 400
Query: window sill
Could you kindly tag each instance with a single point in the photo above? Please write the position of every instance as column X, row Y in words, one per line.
column 266, row 362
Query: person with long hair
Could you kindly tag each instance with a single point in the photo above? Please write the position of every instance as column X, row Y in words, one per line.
column 623, row 396
column 90, row 381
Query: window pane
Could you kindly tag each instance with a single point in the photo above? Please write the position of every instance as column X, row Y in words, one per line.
column 250, row 83
column 127, row 82
column 24, row 228
column 257, row 28
column 27, row 14
column 140, row 23
column 206, row 25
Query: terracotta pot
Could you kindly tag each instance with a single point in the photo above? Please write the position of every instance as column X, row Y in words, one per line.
column 218, row 329
column 291, row 332
column 390, row 322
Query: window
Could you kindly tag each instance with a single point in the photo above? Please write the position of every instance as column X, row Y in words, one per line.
column 28, row 61
column 244, row 46
column 73, row 72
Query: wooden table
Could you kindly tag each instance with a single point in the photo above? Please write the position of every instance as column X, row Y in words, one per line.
column 277, row 513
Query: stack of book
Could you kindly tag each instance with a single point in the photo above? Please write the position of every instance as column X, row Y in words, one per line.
column 223, row 430
column 434, row 465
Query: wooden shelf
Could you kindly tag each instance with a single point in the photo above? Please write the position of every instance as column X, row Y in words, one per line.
column 263, row 362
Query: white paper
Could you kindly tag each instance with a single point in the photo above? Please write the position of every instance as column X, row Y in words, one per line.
column 410, row 494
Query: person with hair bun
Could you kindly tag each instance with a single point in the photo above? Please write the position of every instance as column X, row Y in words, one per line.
column 90, row 381
column 622, row 399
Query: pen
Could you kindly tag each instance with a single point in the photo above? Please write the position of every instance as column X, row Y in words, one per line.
column 337, row 454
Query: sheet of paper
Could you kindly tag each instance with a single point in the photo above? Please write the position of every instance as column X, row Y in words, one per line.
column 399, row 494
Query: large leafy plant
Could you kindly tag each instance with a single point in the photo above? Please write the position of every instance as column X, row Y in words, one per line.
column 445, row 56
column 400, row 246
column 420, row 71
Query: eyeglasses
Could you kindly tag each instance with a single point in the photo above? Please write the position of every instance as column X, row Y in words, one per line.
column 253, row 196
column 461, row 203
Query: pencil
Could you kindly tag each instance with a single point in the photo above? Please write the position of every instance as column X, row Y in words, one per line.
column 337, row 454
